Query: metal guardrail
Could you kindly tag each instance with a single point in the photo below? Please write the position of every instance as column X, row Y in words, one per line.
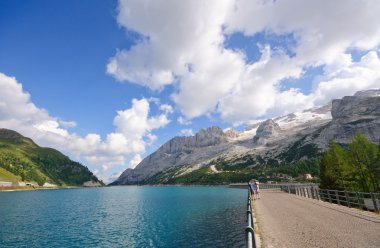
column 360, row 200
column 249, row 230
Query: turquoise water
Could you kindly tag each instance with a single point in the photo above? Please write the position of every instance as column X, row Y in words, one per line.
column 128, row 216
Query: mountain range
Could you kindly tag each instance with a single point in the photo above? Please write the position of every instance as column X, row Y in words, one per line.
column 213, row 155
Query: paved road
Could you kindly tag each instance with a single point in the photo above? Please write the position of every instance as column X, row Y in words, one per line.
column 291, row 221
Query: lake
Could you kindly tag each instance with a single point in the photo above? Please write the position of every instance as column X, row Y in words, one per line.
column 130, row 216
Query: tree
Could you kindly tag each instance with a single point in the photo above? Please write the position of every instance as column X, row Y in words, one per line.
column 335, row 168
column 364, row 156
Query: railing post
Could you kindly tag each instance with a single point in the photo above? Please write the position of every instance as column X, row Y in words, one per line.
column 358, row 200
column 347, row 198
column 374, row 202
column 317, row 192
column 337, row 197
column 329, row 196
column 311, row 192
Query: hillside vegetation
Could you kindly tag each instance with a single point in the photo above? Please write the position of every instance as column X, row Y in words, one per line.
column 26, row 161
column 355, row 167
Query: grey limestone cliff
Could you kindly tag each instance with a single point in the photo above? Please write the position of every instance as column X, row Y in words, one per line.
column 351, row 114
column 178, row 151
column 287, row 139
column 266, row 130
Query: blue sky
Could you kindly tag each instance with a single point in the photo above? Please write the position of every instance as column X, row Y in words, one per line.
column 100, row 76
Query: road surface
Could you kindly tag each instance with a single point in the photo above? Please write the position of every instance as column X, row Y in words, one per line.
column 286, row 220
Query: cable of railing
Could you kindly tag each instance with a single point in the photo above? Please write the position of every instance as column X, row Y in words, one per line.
column 251, row 242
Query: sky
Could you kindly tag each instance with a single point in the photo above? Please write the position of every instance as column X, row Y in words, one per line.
column 108, row 82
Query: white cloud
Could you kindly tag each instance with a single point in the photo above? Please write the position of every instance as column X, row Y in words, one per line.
column 349, row 78
column 187, row 132
column 166, row 108
column 51, row 126
column 67, row 124
column 133, row 131
column 323, row 29
column 135, row 161
column 211, row 78
column 183, row 121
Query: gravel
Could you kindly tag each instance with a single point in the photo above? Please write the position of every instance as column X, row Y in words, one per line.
column 292, row 221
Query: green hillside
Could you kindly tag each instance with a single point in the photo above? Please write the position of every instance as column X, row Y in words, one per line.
column 22, row 158
column 8, row 176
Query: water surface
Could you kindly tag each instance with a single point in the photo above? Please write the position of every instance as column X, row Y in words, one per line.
column 128, row 216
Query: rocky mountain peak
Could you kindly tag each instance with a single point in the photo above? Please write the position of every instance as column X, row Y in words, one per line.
column 267, row 129
column 205, row 137
column 232, row 133
column 363, row 103
column 368, row 93
column 208, row 134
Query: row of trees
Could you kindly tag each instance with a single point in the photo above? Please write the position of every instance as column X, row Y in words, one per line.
column 355, row 167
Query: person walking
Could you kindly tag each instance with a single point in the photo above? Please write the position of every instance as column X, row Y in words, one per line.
column 251, row 187
column 257, row 190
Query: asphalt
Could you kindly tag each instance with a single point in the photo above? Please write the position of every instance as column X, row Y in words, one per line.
column 292, row 221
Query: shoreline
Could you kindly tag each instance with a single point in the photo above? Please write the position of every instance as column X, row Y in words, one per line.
column 12, row 189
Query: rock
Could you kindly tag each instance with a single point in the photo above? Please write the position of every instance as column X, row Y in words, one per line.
column 92, row 184
column 267, row 129
column 351, row 114
column 231, row 133
column 49, row 185
column 178, row 151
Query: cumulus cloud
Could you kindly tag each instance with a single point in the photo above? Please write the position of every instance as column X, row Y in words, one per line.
column 187, row 132
column 133, row 129
column 68, row 124
column 183, row 121
column 212, row 78
column 166, row 108
column 135, row 161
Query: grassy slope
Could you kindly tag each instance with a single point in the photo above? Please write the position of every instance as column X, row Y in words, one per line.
column 8, row 176
column 23, row 158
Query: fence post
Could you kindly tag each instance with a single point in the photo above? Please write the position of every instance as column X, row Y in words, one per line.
column 358, row 200
column 312, row 192
column 316, row 193
column 337, row 197
column 329, row 196
column 374, row 202
column 347, row 199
